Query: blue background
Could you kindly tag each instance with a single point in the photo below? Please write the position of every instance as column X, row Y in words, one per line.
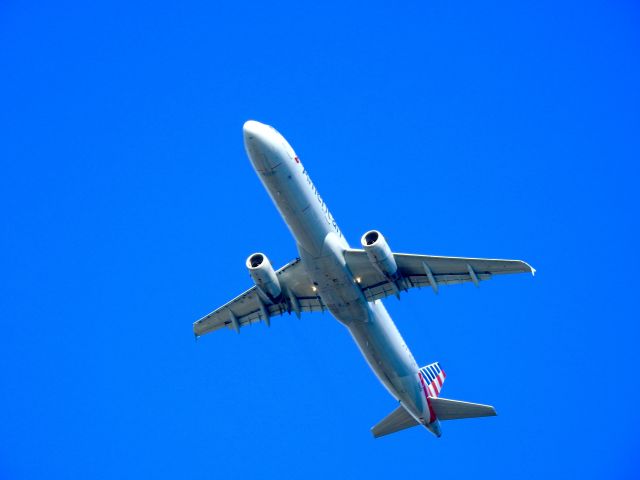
column 492, row 129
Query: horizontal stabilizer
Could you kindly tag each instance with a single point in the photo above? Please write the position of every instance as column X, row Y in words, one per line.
column 446, row 409
column 397, row 420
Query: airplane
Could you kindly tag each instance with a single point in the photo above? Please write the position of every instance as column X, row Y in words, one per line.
column 350, row 283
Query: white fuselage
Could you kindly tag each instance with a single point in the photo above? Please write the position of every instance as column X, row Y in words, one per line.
column 321, row 247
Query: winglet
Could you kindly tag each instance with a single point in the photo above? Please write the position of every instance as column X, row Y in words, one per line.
column 533, row 270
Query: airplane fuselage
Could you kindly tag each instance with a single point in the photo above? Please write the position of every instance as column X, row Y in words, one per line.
column 321, row 246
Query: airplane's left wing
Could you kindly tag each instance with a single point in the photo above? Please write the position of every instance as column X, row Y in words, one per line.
column 426, row 271
column 252, row 306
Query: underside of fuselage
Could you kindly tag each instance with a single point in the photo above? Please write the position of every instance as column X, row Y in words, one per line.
column 369, row 323
column 321, row 247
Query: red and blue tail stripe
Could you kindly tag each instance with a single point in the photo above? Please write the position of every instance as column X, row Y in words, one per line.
column 432, row 377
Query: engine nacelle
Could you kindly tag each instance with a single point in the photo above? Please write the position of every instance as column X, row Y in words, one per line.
column 379, row 253
column 263, row 275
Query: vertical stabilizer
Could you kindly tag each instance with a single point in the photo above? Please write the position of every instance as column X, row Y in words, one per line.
column 433, row 377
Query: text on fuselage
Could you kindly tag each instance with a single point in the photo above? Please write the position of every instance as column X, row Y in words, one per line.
column 323, row 206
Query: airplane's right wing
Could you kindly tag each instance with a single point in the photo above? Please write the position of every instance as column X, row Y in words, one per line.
column 251, row 307
column 426, row 271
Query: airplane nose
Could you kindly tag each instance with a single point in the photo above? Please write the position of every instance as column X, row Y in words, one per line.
column 253, row 130
column 250, row 126
column 256, row 136
column 259, row 143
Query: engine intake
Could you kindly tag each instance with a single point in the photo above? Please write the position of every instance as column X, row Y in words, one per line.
column 263, row 275
column 379, row 253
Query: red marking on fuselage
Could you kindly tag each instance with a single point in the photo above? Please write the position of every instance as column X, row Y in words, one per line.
column 432, row 414
column 426, row 395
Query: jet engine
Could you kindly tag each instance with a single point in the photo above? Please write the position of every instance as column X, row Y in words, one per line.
column 379, row 253
column 263, row 275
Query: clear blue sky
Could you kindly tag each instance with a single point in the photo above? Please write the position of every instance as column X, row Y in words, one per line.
column 128, row 206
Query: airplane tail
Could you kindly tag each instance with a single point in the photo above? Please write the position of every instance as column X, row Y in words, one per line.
column 397, row 420
column 446, row 409
column 432, row 378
